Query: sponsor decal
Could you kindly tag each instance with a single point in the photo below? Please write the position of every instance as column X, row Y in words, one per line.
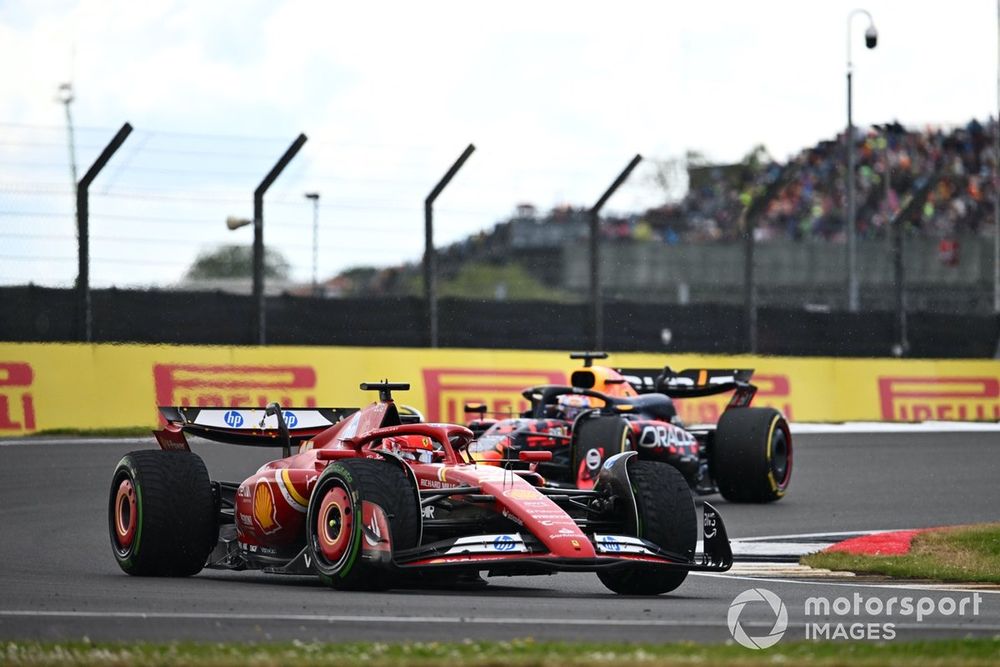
column 507, row 514
column 295, row 500
column 233, row 419
column 17, row 407
column 350, row 429
column 920, row 398
column 265, row 512
column 504, row 543
column 610, row 543
column 593, row 459
column 373, row 535
column 427, row 512
column 773, row 391
column 290, row 419
column 434, row 484
column 666, row 436
column 522, row 494
column 234, row 386
column 709, row 525
column 450, row 389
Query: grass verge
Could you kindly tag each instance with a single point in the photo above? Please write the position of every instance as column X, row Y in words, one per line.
column 969, row 554
column 516, row 653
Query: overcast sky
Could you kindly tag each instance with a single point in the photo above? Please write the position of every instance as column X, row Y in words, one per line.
column 556, row 96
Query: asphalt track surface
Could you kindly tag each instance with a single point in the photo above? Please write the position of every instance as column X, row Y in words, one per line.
column 59, row 580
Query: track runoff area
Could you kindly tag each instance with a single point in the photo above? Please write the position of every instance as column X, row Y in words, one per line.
column 60, row 581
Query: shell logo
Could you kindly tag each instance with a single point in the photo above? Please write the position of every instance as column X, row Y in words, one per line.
column 264, row 510
column 522, row 494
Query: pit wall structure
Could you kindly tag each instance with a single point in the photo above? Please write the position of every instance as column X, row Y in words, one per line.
column 46, row 386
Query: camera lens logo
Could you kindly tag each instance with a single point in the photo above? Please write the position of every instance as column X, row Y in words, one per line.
column 776, row 606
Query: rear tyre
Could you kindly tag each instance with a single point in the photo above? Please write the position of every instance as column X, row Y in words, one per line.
column 594, row 440
column 161, row 514
column 752, row 455
column 336, row 528
column 666, row 517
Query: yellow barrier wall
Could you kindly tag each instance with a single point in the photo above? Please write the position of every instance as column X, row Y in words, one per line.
column 49, row 386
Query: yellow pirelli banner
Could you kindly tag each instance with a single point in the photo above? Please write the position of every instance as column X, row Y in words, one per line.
column 57, row 386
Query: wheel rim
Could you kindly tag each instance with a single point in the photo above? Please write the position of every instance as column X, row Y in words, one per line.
column 780, row 458
column 334, row 524
column 126, row 516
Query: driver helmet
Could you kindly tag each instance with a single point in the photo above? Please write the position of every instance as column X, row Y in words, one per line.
column 412, row 447
column 571, row 405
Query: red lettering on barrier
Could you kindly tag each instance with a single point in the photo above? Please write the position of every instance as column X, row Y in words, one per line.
column 16, row 379
column 450, row 389
column 920, row 398
column 773, row 391
column 234, row 386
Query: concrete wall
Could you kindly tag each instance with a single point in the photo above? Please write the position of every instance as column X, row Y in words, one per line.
column 790, row 273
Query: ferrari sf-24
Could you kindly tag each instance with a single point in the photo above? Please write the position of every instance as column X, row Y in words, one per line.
column 374, row 498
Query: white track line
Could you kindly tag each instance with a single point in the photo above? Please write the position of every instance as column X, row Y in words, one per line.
column 896, row 427
column 425, row 620
column 932, row 588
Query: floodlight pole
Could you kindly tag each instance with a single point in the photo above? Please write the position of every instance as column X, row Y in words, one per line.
column 852, row 233
column 430, row 258
column 86, row 332
column 258, row 234
column 996, row 183
column 314, row 197
column 596, row 299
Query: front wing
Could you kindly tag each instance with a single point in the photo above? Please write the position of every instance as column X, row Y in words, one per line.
column 521, row 553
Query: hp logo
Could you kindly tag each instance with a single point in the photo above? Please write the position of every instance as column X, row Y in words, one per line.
column 233, row 419
column 504, row 543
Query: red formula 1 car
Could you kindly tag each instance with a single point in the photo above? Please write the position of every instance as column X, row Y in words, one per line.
column 374, row 498
column 747, row 456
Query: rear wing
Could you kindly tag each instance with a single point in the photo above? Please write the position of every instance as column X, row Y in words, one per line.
column 692, row 382
column 244, row 426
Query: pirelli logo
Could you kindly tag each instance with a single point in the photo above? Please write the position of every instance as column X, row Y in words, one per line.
column 967, row 398
column 450, row 389
column 773, row 391
column 234, row 386
column 17, row 406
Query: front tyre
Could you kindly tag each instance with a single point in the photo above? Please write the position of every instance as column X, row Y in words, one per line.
column 335, row 525
column 162, row 514
column 752, row 455
column 666, row 517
